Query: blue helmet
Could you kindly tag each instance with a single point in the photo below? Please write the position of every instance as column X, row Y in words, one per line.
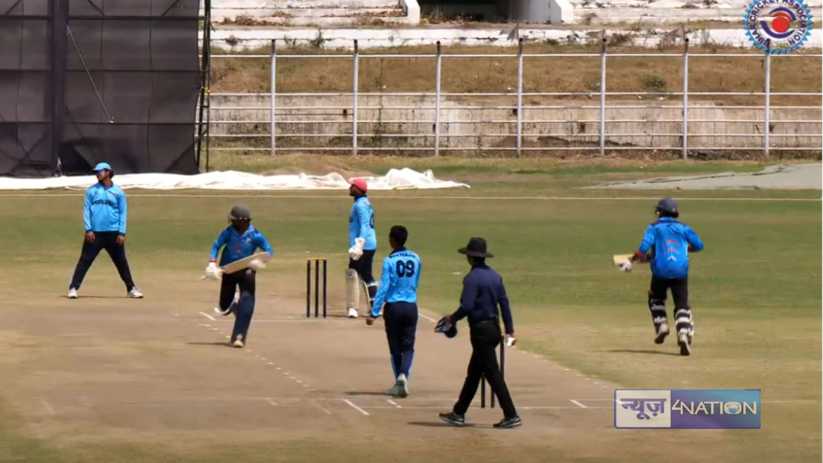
column 668, row 207
column 103, row 166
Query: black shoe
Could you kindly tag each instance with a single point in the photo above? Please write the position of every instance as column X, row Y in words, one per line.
column 508, row 423
column 453, row 419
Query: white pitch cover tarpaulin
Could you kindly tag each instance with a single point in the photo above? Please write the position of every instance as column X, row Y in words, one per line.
column 395, row 179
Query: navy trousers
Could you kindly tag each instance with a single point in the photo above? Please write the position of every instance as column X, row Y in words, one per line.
column 243, row 279
column 401, row 326
column 107, row 241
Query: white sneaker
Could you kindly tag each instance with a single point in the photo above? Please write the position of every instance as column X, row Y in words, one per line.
column 394, row 391
column 662, row 332
column 72, row 293
column 238, row 342
column 403, row 385
column 352, row 313
column 135, row 293
column 683, row 342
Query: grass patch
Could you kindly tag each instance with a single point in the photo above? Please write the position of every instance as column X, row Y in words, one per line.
column 756, row 289
column 625, row 74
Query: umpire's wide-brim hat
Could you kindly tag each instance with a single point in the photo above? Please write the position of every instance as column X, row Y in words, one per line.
column 476, row 248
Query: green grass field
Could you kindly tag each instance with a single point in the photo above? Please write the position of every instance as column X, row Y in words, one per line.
column 756, row 290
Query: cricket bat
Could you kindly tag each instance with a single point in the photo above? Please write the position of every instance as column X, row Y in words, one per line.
column 243, row 263
column 618, row 259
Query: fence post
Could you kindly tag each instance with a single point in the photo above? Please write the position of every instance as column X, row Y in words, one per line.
column 273, row 97
column 519, row 96
column 603, row 93
column 685, row 96
column 355, row 85
column 438, row 70
column 767, row 103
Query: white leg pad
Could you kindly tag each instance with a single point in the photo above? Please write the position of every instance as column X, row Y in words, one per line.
column 352, row 289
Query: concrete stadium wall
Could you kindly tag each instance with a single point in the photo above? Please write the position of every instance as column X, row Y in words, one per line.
column 467, row 125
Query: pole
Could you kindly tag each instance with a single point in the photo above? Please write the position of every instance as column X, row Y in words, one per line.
column 316, row 288
column 438, row 76
column 767, row 103
column 308, row 288
column 603, row 94
column 205, row 69
column 519, row 101
column 325, row 286
column 207, row 52
column 355, row 85
column 273, row 97
column 59, row 31
column 685, row 96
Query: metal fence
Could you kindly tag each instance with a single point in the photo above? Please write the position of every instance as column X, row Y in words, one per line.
column 282, row 122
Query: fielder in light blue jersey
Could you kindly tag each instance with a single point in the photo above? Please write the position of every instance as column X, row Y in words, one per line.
column 105, row 215
column 397, row 300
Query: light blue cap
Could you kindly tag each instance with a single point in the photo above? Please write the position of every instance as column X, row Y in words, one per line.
column 102, row 166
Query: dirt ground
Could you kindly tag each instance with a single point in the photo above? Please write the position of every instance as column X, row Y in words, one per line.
column 156, row 374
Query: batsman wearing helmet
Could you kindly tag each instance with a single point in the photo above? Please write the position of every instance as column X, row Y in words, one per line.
column 105, row 214
column 238, row 240
column 362, row 246
column 666, row 245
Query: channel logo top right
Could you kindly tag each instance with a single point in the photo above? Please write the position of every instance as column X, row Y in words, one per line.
column 778, row 26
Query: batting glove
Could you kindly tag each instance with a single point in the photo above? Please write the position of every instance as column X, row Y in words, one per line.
column 356, row 251
column 626, row 266
column 214, row 272
column 257, row 264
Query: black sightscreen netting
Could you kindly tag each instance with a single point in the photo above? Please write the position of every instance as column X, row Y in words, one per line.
column 127, row 83
column 25, row 96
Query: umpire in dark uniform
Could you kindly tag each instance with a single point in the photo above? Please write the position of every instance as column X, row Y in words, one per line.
column 483, row 292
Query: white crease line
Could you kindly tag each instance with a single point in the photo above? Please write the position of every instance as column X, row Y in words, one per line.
column 396, row 405
column 352, row 405
column 208, row 316
column 271, row 401
column 48, row 407
column 434, row 407
column 577, row 403
column 317, row 404
column 427, row 318
column 270, row 363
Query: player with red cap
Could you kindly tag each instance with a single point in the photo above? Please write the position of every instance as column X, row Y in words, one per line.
column 362, row 246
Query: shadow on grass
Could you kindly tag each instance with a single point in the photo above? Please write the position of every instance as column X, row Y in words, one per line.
column 640, row 351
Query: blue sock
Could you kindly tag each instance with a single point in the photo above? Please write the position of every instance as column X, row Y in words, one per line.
column 406, row 359
column 395, row 364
